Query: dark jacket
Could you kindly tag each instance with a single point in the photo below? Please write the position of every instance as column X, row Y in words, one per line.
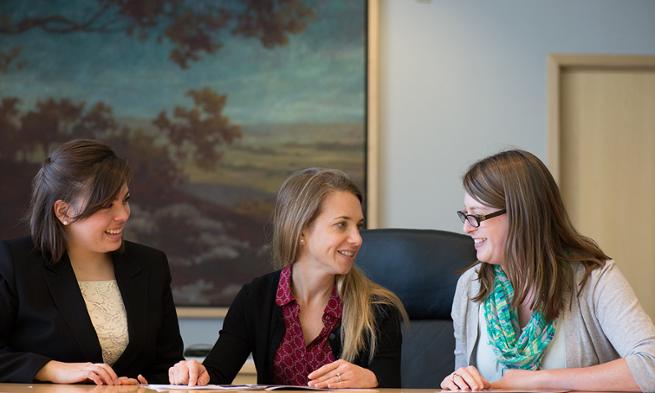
column 43, row 316
column 254, row 324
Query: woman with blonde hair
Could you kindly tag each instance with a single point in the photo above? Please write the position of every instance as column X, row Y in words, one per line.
column 545, row 309
column 318, row 321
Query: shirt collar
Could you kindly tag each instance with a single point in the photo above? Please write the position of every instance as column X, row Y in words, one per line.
column 284, row 295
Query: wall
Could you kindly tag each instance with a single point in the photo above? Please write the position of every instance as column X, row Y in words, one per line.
column 460, row 80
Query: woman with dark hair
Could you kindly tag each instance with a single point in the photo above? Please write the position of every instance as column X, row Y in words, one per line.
column 77, row 302
column 318, row 321
column 545, row 309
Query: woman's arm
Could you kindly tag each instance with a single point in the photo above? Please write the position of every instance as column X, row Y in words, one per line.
column 27, row 367
column 169, row 342
column 386, row 359
column 226, row 357
column 233, row 345
column 611, row 376
column 15, row 366
column 622, row 320
column 383, row 371
column 458, row 314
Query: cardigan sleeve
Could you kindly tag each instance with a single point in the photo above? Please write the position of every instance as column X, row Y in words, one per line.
column 386, row 359
column 460, row 307
column 15, row 366
column 625, row 323
column 233, row 345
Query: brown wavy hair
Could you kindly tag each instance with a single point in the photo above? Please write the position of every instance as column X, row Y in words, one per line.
column 298, row 203
column 542, row 244
column 81, row 168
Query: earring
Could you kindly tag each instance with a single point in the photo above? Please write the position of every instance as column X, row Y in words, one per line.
column 65, row 222
column 302, row 241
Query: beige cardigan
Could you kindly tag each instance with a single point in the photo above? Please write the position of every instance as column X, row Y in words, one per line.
column 605, row 322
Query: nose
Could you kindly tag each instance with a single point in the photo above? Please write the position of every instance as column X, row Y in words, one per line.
column 121, row 212
column 355, row 237
column 468, row 228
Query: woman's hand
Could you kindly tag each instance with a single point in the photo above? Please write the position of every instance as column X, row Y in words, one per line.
column 60, row 372
column 342, row 374
column 465, row 378
column 188, row 372
column 517, row 379
column 140, row 380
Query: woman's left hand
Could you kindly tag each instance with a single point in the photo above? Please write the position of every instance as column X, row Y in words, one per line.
column 342, row 374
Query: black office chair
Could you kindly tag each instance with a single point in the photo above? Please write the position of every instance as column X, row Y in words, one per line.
column 422, row 268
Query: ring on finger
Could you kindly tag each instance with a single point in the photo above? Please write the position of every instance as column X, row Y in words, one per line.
column 338, row 377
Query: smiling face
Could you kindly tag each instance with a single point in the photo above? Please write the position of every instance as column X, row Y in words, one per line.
column 490, row 237
column 331, row 242
column 101, row 232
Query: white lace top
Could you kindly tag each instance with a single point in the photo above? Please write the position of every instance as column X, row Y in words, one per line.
column 107, row 311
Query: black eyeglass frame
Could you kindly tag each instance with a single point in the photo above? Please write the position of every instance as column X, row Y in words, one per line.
column 478, row 218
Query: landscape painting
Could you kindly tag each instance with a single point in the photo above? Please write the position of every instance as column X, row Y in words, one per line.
column 213, row 104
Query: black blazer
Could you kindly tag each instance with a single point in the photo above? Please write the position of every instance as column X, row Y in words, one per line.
column 254, row 324
column 43, row 316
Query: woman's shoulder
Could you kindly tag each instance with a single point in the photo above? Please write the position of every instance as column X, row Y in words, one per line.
column 21, row 244
column 19, row 250
column 132, row 248
column 147, row 257
column 262, row 285
column 469, row 277
column 607, row 276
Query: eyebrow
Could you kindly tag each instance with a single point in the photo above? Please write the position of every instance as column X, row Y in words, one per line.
column 347, row 218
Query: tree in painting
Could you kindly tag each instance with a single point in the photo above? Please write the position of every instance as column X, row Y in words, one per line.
column 157, row 103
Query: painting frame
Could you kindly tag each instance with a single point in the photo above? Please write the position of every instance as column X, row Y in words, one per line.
column 371, row 147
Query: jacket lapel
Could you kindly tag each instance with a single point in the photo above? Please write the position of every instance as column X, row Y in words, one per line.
column 133, row 285
column 68, row 299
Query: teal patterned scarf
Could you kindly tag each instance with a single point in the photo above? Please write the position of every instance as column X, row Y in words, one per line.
column 524, row 352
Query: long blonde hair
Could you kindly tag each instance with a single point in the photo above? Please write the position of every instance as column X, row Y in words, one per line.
column 298, row 203
column 542, row 244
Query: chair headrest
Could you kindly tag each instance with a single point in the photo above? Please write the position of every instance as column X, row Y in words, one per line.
column 420, row 266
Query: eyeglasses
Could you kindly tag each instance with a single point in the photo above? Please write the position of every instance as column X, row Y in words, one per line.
column 474, row 220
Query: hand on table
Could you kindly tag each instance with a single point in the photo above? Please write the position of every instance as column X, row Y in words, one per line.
column 465, row 378
column 60, row 372
column 188, row 372
column 342, row 374
column 140, row 380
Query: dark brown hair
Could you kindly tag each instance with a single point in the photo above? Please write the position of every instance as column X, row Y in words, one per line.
column 80, row 169
column 542, row 243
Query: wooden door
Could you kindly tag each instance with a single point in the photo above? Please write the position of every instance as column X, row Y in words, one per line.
column 602, row 150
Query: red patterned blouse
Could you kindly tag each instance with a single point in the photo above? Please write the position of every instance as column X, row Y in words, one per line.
column 293, row 360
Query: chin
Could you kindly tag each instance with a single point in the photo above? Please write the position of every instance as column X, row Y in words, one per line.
column 115, row 246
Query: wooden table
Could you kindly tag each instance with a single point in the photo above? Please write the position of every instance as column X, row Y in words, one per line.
column 54, row 388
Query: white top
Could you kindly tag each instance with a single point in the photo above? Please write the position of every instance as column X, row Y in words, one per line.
column 105, row 306
column 492, row 370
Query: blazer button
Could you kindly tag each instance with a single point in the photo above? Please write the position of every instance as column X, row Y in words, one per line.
column 332, row 336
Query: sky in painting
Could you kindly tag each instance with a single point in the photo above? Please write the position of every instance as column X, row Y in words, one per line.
column 318, row 77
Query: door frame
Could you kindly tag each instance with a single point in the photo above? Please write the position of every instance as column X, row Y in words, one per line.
column 557, row 63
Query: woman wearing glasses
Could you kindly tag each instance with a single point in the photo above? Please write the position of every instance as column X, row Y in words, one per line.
column 545, row 308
